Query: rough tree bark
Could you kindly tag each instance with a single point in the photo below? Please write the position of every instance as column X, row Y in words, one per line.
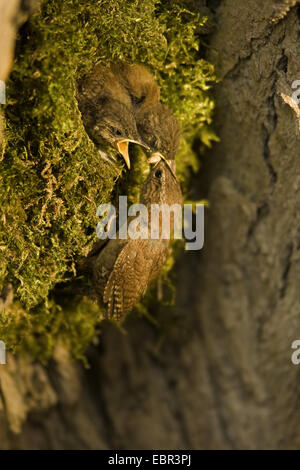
column 225, row 380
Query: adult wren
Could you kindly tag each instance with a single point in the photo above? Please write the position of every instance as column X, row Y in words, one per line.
column 124, row 269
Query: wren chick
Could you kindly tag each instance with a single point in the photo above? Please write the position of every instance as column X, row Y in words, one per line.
column 156, row 124
column 141, row 87
column 159, row 129
column 107, row 113
column 124, row 269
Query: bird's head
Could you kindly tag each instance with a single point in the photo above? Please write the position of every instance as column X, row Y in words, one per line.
column 109, row 122
column 115, row 124
column 161, row 185
column 159, row 130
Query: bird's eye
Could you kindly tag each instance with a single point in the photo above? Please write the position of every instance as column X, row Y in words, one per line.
column 158, row 174
column 138, row 100
column 116, row 131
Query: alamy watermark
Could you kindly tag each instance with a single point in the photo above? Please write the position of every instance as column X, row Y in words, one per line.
column 296, row 93
column 295, row 357
column 2, row 353
column 2, row 92
column 160, row 221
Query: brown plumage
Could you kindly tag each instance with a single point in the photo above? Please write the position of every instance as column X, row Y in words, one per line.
column 156, row 124
column 140, row 85
column 112, row 98
column 159, row 129
column 103, row 82
column 119, row 103
column 124, row 269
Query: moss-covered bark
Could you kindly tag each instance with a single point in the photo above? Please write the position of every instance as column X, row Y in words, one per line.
column 52, row 178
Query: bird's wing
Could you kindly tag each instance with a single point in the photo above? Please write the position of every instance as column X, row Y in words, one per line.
column 103, row 264
column 129, row 279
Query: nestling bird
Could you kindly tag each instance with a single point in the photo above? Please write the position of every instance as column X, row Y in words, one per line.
column 156, row 124
column 140, row 85
column 124, row 269
column 107, row 113
column 159, row 129
column 119, row 104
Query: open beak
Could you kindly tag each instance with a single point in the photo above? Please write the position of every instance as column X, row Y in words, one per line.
column 172, row 165
column 122, row 146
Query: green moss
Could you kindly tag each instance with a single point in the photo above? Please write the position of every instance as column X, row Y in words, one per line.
column 51, row 177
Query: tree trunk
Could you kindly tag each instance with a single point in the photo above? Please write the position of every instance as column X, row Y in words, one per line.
column 222, row 377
